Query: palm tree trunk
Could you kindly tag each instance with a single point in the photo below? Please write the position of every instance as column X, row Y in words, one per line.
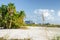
column 10, row 24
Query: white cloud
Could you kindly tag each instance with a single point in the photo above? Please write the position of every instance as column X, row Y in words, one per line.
column 58, row 13
column 50, row 18
column 52, row 10
column 48, row 14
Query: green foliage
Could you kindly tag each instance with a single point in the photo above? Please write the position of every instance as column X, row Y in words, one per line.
column 56, row 38
column 9, row 18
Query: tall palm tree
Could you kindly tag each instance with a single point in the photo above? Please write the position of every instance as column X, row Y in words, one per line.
column 0, row 17
column 4, row 12
column 11, row 11
column 43, row 19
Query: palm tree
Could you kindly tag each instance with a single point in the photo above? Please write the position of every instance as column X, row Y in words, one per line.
column 3, row 14
column 43, row 19
column 11, row 8
column 21, row 17
column 9, row 17
column 4, row 11
column 11, row 11
column 18, row 19
column 0, row 17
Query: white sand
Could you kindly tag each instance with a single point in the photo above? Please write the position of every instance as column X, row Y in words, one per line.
column 35, row 33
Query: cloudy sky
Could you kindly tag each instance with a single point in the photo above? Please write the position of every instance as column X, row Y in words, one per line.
column 35, row 8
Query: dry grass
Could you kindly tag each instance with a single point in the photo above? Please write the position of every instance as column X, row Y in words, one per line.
column 1, row 38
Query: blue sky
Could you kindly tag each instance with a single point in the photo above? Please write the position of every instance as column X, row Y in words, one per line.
column 34, row 9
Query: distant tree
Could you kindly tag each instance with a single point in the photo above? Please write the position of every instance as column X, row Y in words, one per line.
column 47, row 24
